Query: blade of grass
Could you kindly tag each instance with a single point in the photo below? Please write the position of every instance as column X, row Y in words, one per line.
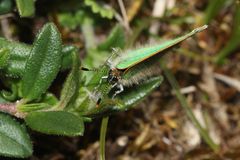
column 234, row 41
column 212, row 9
column 103, row 137
column 186, row 107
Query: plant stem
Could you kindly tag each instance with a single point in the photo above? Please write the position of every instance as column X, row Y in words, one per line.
column 103, row 137
column 186, row 107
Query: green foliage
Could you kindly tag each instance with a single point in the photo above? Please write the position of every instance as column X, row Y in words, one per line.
column 4, row 57
column 103, row 10
column 11, row 95
column 5, row 6
column 18, row 53
column 33, row 107
column 14, row 139
column 14, row 63
column 2, row 100
column 213, row 9
column 116, row 39
column 70, row 87
column 56, row 123
column 29, row 70
column 203, row 132
column 67, row 56
column 43, row 64
column 86, row 106
column 71, row 20
column 25, row 8
column 234, row 41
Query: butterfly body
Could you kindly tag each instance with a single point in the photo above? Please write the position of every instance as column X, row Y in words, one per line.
column 133, row 67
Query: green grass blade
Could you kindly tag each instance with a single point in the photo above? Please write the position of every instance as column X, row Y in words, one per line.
column 187, row 109
column 212, row 9
column 234, row 41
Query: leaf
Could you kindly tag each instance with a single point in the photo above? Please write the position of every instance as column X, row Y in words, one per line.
column 14, row 139
column 10, row 96
column 18, row 53
column 4, row 57
column 32, row 107
column 2, row 99
column 43, row 64
column 56, row 123
column 104, row 10
column 135, row 94
column 122, row 102
column 50, row 99
column 116, row 39
column 46, row 102
column 67, row 53
column 71, row 85
column 25, row 8
column 5, row 6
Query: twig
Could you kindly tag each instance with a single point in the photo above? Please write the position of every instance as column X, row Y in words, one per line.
column 125, row 17
column 228, row 80
column 11, row 108
column 186, row 90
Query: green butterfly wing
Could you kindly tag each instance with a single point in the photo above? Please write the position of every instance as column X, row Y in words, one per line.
column 142, row 54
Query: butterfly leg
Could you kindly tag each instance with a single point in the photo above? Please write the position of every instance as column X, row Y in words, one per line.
column 100, row 82
column 102, row 78
column 121, row 89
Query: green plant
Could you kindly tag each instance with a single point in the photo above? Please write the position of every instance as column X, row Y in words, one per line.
column 28, row 71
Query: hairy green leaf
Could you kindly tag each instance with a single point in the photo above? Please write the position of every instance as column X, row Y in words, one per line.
column 85, row 105
column 18, row 53
column 4, row 57
column 43, row 63
column 56, row 123
column 71, row 85
column 14, row 139
column 25, row 8
column 67, row 53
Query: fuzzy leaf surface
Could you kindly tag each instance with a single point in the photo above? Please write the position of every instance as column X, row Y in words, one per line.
column 14, row 139
column 43, row 63
column 55, row 123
